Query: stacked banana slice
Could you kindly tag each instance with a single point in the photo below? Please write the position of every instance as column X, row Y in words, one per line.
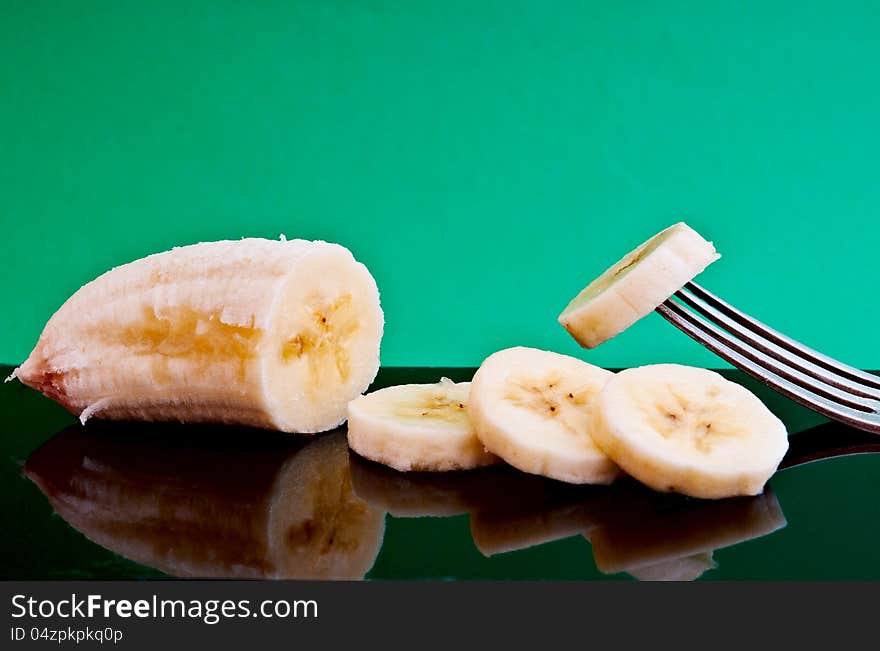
column 672, row 427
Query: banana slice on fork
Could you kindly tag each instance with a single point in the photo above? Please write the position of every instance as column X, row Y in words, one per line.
column 637, row 284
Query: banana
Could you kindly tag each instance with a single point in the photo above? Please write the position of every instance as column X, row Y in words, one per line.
column 272, row 334
column 245, row 507
column 417, row 427
column 688, row 430
column 637, row 284
column 533, row 409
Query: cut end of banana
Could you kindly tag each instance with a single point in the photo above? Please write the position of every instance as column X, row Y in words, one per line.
column 417, row 427
column 637, row 284
column 533, row 408
column 689, row 430
column 323, row 349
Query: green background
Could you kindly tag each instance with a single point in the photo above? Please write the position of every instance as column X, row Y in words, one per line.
column 485, row 159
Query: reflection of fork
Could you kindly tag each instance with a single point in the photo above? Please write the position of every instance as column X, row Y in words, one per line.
column 816, row 381
column 827, row 441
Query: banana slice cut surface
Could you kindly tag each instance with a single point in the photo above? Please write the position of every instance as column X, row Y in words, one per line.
column 417, row 427
column 533, row 408
column 688, row 430
column 637, row 284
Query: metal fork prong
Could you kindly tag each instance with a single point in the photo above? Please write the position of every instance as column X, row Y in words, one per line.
column 776, row 351
column 782, row 340
column 769, row 363
column 717, row 342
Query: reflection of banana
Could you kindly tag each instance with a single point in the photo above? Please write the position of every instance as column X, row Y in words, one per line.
column 500, row 532
column 163, row 497
column 689, row 568
column 674, row 538
column 564, row 510
column 688, row 430
column 637, row 284
column 417, row 427
column 631, row 528
column 315, row 519
column 427, row 494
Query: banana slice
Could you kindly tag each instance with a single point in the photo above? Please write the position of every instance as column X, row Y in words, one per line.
column 272, row 334
column 417, row 427
column 637, row 284
column 533, row 409
column 688, row 430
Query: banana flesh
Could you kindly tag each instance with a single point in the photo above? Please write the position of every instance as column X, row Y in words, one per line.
column 533, row 408
column 637, row 284
column 271, row 334
column 688, row 430
column 417, row 427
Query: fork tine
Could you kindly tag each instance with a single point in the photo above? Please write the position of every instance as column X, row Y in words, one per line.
column 782, row 340
column 768, row 363
column 775, row 351
column 719, row 342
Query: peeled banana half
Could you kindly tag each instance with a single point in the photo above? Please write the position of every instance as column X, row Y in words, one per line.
column 273, row 334
column 417, row 427
column 533, row 408
column 688, row 430
column 637, row 284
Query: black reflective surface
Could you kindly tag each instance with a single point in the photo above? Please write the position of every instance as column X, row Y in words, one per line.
column 127, row 500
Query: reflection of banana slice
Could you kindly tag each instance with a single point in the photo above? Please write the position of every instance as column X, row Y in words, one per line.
column 417, row 427
column 637, row 284
column 688, row 430
column 501, row 532
column 666, row 536
column 689, row 568
column 533, row 409
column 243, row 507
column 427, row 494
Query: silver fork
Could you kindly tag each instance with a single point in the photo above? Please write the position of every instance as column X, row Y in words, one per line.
column 833, row 389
